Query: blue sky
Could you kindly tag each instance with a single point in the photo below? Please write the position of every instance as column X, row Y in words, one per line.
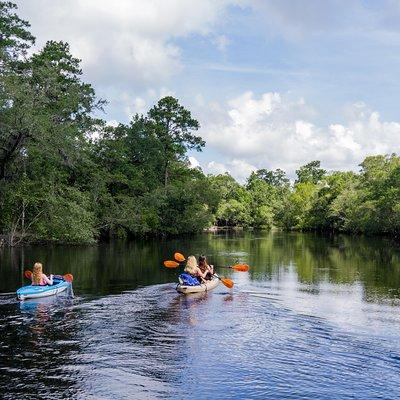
column 274, row 83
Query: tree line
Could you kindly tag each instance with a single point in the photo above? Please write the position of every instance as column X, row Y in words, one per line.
column 364, row 202
column 66, row 176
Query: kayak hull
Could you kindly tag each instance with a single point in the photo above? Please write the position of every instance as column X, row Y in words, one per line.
column 35, row 292
column 204, row 287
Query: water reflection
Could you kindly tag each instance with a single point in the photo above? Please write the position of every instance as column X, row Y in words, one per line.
column 316, row 317
column 112, row 268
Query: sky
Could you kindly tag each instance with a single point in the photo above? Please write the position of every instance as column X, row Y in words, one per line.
column 273, row 83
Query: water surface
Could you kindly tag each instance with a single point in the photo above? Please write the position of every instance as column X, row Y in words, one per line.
column 315, row 318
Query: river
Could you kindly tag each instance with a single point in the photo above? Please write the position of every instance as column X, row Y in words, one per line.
column 315, row 317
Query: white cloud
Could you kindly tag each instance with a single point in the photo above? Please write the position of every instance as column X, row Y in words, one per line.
column 128, row 41
column 239, row 169
column 132, row 105
column 193, row 162
column 271, row 131
column 293, row 19
column 112, row 122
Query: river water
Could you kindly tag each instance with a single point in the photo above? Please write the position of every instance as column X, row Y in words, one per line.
column 315, row 318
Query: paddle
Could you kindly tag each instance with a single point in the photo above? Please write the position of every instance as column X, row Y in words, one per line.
column 171, row 264
column 237, row 267
column 226, row 281
column 66, row 277
column 179, row 257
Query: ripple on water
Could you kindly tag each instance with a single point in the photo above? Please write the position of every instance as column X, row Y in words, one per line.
column 152, row 342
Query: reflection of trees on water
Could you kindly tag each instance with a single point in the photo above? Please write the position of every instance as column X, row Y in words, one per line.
column 118, row 266
column 340, row 259
column 11, row 262
column 37, row 344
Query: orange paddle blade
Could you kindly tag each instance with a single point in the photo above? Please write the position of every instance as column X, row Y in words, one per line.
column 227, row 282
column 179, row 257
column 240, row 267
column 28, row 274
column 68, row 277
column 171, row 264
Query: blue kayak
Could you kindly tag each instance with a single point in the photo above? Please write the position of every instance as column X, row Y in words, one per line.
column 34, row 292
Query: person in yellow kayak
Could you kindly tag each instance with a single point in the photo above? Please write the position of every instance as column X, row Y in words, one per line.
column 193, row 269
column 39, row 278
column 205, row 268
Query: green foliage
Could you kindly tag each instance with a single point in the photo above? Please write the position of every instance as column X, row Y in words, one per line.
column 298, row 206
column 67, row 217
column 310, row 172
column 15, row 38
column 172, row 125
column 275, row 178
column 323, row 214
column 234, row 213
column 372, row 205
column 234, row 202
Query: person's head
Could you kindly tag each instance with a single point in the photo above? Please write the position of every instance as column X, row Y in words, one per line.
column 191, row 265
column 37, row 273
column 202, row 260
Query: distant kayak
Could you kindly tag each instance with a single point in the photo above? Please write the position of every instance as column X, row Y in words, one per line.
column 204, row 287
column 34, row 292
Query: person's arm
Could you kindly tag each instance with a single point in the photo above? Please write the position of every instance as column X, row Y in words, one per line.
column 49, row 281
column 201, row 274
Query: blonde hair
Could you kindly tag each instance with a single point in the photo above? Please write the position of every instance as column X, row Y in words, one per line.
column 37, row 273
column 191, row 265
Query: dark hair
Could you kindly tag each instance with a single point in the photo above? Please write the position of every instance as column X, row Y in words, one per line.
column 202, row 259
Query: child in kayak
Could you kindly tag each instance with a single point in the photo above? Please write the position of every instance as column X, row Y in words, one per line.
column 39, row 278
column 192, row 269
column 205, row 268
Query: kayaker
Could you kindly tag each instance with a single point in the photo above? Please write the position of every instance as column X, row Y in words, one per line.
column 205, row 268
column 192, row 269
column 39, row 278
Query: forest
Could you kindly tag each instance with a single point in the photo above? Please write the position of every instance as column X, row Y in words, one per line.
column 68, row 177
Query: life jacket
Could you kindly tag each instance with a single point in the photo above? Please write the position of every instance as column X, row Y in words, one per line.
column 188, row 280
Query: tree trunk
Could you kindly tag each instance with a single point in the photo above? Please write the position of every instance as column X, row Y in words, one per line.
column 2, row 170
column 166, row 174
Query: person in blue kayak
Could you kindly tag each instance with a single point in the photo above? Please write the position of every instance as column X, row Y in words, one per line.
column 193, row 269
column 205, row 268
column 39, row 278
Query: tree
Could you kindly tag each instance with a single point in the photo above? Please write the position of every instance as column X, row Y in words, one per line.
column 234, row 201
column 45, row 124
column 49, row 107
column 275, row 178
column 295, row 213
column 263, row 199
column 310, row 172
column 172, row 125
column 15, row 37
column 323, row 215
